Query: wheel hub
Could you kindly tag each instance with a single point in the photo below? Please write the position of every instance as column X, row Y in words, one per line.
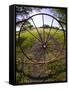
column 44, row 46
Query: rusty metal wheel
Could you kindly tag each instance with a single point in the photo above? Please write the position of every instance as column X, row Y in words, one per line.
column 47, row 45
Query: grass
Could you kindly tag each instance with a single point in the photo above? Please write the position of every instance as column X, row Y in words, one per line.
column 29, row 39
column 58, row 68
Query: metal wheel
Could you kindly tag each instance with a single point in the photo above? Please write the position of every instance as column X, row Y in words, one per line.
column 40, row 46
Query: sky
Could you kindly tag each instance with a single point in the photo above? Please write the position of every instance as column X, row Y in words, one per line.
column 38, row 19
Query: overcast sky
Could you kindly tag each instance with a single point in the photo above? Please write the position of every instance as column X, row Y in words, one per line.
column 38, row 19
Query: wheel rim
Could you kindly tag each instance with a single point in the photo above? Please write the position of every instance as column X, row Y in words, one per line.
column 43, row 47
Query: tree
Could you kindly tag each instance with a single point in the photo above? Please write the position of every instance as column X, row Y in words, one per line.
column 45, row 26
column 30, row 26
column 27, row 25
column 24, row 12
column 60, row 13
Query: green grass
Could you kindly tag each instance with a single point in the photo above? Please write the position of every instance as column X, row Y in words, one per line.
column 29, row 39
column 58, row 68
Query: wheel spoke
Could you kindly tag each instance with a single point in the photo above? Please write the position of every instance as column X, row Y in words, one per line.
column 55, row 32
column 34, row 36
column 44, row 56
column 49, row 31
column 44, row 61
column 50, row 50
column 53, row 48
column 37, row 30
column 43, row 28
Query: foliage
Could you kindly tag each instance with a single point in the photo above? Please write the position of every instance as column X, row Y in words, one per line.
column 57, row 74
column 24, row 11
column 47, row 26
column 60, row 13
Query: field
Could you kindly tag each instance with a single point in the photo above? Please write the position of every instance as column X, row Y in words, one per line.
column 44, row 64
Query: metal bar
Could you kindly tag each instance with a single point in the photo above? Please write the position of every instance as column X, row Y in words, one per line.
column 37, row 30
column 49, row 31
column 34, row 35
column 43, row 27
